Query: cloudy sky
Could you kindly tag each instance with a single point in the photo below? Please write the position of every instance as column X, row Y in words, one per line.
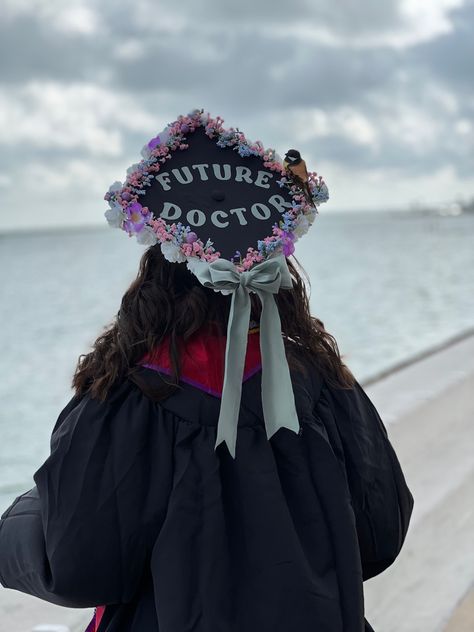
column 378, row 96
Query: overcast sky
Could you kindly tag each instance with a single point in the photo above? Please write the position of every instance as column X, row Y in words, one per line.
column 377, row 95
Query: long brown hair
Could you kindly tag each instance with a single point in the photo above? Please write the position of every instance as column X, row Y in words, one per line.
column 167, row 300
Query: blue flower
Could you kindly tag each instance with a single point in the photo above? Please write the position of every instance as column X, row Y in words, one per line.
column 320, row 194
column 244, row 150
column 287, row 224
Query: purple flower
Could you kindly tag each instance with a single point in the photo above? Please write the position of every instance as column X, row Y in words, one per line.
column 191, row 237
column 136, row 218
column 132, row 227
column 287, row 241
column 154, row 142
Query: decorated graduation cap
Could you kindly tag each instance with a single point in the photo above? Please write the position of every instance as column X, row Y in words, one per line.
column 232, row 210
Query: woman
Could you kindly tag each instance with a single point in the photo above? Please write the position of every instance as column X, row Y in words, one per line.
column 135, row 511
column 219, row 468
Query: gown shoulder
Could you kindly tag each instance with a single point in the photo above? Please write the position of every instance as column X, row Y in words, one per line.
column 83, row 534
column 382, row 501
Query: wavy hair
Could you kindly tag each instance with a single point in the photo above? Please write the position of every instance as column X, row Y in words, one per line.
column 167, row 300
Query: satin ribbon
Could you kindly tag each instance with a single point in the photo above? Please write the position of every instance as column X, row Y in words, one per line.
column 265, row 278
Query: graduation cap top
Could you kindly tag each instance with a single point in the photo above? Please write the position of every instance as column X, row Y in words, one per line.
column 232, row 210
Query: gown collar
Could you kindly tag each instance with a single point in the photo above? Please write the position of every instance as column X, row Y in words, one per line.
column 202, row 358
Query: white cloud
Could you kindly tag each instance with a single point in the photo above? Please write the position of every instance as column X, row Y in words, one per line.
column 305, row 124
column 76, row 116
column 391, row 189
column 69, row 194
column 416, row 21
column 464, row 127
column 78, row 17
column 130, row 50
column 405, row 124
column 379, row 97
column 5, row 180
column 363, row 24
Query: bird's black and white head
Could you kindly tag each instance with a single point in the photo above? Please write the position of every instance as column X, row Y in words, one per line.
column 293, row 157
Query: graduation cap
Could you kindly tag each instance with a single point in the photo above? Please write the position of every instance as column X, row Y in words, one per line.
column 232, row 210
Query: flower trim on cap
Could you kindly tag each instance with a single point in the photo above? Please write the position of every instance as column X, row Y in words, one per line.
column 179, row 243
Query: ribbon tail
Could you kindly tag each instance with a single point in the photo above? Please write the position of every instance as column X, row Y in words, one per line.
column 278, row 400
column 236, row 347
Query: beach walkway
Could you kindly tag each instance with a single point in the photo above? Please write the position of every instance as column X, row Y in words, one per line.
column 427, row 406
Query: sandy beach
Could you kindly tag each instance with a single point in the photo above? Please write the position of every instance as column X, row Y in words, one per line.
column 428, row 407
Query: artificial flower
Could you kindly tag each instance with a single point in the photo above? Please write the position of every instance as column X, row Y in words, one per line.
column 301, row 226
column 147, row 236
column 115, row 215
column 172, row 252
column 116, row 186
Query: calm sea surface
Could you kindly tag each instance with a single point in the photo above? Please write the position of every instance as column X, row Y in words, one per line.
column 385, row 285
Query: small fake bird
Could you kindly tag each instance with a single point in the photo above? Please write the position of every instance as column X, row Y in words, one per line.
column 296, row 166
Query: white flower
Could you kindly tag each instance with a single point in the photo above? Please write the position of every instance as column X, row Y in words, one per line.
column 147, row 236
column 164, row 135
column 133, row 168
column 193, row 112
column 145, row 152
column 115, row 216
column 116, row 186
column 301, row 226
column 311, row 215
column 172, row 252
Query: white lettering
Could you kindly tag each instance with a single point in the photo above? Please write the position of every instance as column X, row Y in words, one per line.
column 167, row 207
column 243, row 173
column 164, row 179
column 178, row 175
column 202, row 171
column 196, row 217
column 260, row 211
column 262, row 178
column 217, row 222
column 218, row 172
column 279, row 203
column 240, row 214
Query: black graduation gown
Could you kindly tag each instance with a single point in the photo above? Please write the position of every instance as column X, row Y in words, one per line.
column 135, row 510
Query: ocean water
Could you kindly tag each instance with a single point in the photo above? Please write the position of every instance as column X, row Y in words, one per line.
column 385, row 285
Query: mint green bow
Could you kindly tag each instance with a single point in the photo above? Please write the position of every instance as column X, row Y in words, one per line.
column 278, row 401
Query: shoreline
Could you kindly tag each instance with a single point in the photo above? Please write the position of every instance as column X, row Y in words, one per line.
column 416, row 357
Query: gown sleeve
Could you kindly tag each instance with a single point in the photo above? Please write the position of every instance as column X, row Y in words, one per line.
column 83, row 535
column 381, row 499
